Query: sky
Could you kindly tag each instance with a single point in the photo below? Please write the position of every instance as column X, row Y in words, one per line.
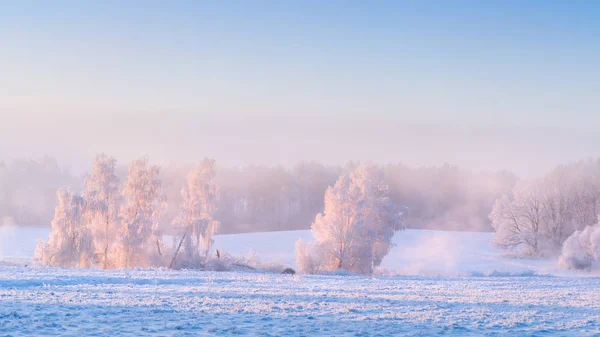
column 482, row 84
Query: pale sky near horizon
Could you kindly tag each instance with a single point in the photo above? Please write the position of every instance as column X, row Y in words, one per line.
column 483, row 84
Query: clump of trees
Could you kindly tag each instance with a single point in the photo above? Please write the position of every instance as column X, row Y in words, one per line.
column 354, row 231
column 116, row 226
column 540, row 214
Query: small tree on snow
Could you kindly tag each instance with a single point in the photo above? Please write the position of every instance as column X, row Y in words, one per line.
column 309, row 256
column 103, row 200
column 70, row 242
column 143, row 203
column 196, row 223
column 354, row 232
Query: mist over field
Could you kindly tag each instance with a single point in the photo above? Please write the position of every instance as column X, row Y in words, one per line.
column 273, row 197
column 183, row 137
column 314, row 168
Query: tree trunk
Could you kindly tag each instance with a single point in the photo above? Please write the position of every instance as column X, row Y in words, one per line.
column 177, row 250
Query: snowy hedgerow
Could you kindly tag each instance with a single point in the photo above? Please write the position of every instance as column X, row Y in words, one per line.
column 355, row 230
column 582, row 249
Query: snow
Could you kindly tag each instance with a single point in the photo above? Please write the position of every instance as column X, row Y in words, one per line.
column 159, row 303
column 416, row 252
column 18, row 242
column 444, row 283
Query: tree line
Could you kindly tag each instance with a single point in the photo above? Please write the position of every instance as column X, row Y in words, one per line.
column 261, row 198
column 110, row 224
column 555, row 215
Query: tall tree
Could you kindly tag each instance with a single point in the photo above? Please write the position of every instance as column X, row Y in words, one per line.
column 354, row 232
column 103, row 199
column 518, row 221
column 70, row 242
column 143, row 204
column 196, row 222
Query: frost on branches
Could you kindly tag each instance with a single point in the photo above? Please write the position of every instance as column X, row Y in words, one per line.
column 113, row 226
column 103, row 199
column 84, row 227
column 139, row 238
column 355, row 230
column 196, row 224
column 581, row 250
column 107, row 227
column 518, row 222
column 70, row 243
column 541, row 214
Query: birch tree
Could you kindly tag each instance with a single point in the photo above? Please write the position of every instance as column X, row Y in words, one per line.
column 143, row 204
column 196, row 223
column 70, row 242
column 354, row 232
column 103, row 199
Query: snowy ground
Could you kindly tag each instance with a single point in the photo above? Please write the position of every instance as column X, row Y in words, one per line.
column 479, row 292
column 416, row 252
column 39, row 302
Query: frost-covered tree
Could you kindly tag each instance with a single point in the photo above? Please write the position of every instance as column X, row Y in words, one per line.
column 354, row 232
column 518, row 222
column 379, row 211
column 140, row 241
column 542, row 213
column 70, row 243
column 103, row 199
column 339, row 228
column 196, row 223
column 310, row 257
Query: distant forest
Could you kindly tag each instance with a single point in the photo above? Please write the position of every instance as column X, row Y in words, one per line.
column 260, row 198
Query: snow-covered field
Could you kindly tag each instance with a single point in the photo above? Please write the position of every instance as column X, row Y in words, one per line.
column 163, row 303
column 416, row 252
column 444, row 283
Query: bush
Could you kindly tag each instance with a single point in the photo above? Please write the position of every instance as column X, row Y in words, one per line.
column 581, row 251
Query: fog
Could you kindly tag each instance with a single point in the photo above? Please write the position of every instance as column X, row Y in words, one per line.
column 175, row 136
column 266, row 198
column 448, row 173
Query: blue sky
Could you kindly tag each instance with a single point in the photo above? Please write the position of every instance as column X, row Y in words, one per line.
column 455, row 64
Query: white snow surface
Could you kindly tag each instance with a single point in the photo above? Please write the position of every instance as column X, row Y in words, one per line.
column 443, row 283
column 415, row 252
column 40, row 301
